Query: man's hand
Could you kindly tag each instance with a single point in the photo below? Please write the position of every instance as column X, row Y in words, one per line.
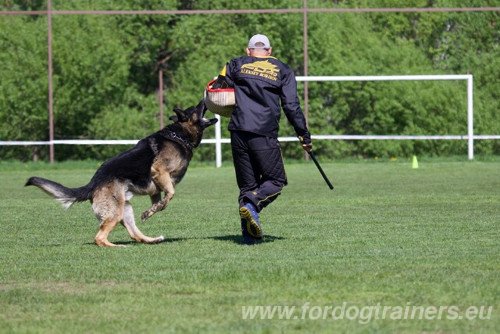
column 306, row 143
column 307, row 147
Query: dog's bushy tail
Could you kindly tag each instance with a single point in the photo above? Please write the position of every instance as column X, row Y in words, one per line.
column 66, row 196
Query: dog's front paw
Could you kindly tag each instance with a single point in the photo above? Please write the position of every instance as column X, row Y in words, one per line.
column 146, row 214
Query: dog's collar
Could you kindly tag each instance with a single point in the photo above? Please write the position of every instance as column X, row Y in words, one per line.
column 171, row 135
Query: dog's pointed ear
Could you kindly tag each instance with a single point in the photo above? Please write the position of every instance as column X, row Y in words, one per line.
column 201, row 105
column 181, row 115
column 201, row 108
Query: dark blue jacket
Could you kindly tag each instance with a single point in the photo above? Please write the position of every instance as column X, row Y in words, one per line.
column 261, row 84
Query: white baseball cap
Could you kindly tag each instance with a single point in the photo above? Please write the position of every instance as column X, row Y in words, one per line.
column 259, row 42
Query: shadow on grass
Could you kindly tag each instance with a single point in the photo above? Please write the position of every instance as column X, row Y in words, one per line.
column 238, row 239
column 235, row 238
column 133, row 242
column 166, row 240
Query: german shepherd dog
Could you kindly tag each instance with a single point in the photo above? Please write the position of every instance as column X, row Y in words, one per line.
column 155, row 165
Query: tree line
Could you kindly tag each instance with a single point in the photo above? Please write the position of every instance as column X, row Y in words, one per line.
column 105, row 72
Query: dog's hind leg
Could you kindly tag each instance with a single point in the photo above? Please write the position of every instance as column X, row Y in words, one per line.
column 108, row 206
column 101, row 239
column 133, row 230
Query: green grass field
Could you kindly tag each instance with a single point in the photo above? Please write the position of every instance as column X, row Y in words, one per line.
column 389, row 235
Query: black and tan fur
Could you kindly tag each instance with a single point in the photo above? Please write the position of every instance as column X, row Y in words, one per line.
column 155, row 165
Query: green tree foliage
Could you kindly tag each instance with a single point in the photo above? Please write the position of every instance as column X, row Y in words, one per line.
column 106, row 71
column 23, row 83
column 24, row 4
column 134, row 118
column 377, row 108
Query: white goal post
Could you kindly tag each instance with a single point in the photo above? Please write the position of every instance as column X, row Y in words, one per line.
column 218, row 140
column 470, row 113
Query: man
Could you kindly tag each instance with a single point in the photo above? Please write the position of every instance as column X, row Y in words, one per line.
column 261, row 83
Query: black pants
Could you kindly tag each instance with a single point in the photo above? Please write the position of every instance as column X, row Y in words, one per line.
column 260, row 172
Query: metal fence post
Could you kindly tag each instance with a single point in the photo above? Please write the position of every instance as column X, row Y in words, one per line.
column 470, row 116
column 50, row 88
column 218, row 143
